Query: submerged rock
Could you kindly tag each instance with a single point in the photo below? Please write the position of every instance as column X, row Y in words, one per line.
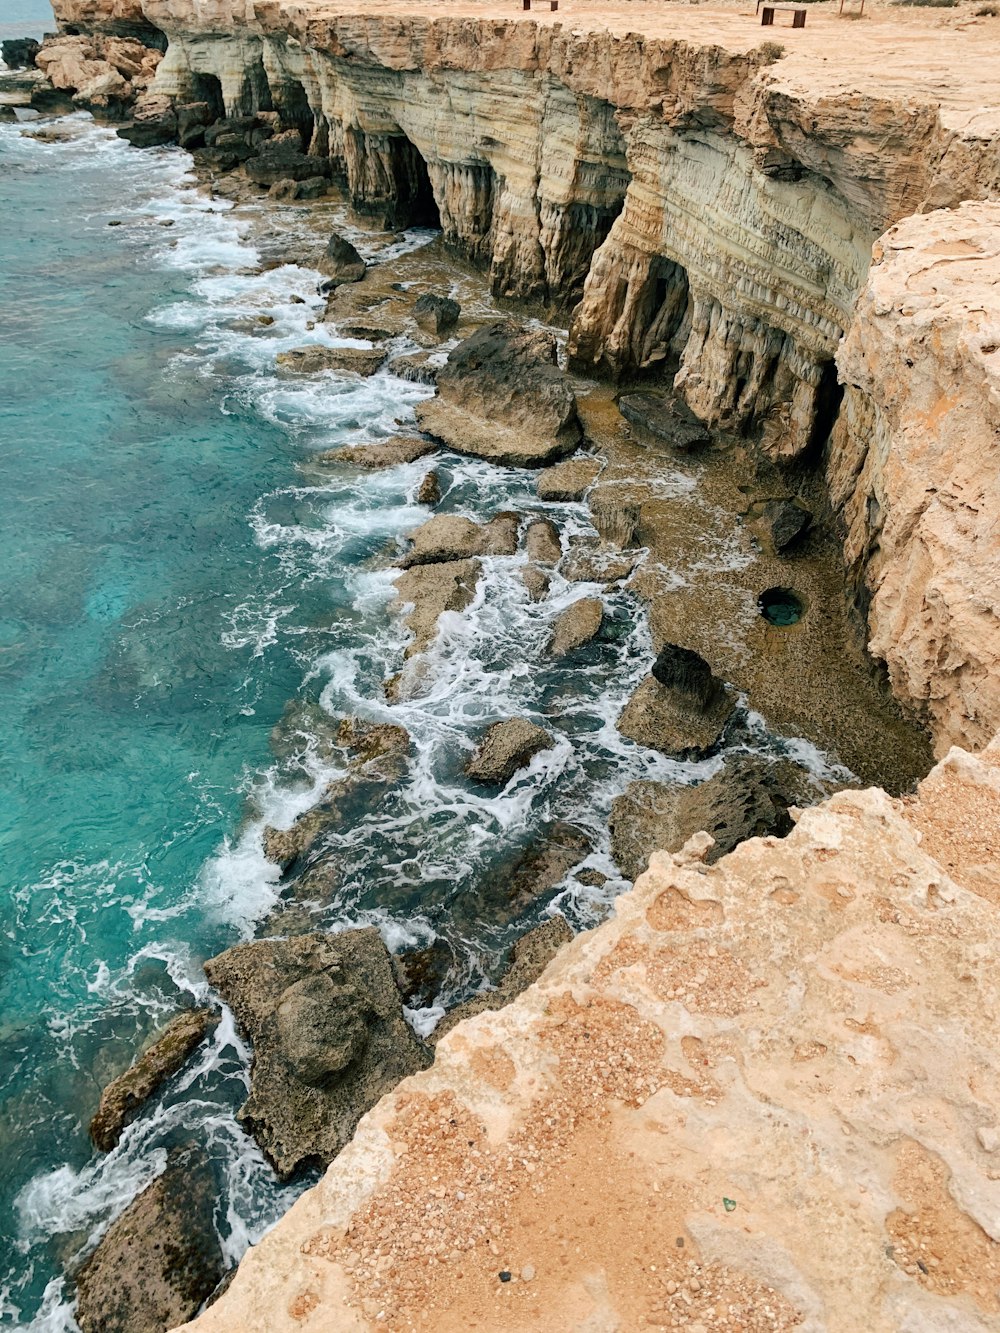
column 528, row 959
column 160, row 1260
column 436, row 314
column 504, row 748
column 447, row 537
column 400, row 449
column 516, row 885
column 316, row 357
column 569, row 481
column 429, row 490
column 680, row 709
column 536, row 581
column 748, row 798
column 542, row 542
column 420, row 973
column 659, row 420
column 501, row 396
column 341, row 263
column 325, row 1018
column 125, row 1096
column 578, row 624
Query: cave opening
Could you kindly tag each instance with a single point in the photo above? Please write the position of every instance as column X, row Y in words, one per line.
column 255, row 93
column 292, row 105
column 208, row 88
column 661, row 314
column 415, row 202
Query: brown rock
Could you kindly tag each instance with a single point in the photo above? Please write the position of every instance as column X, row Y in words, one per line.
column 448, row 537
column 670, row 421
column 536, row 581
column 329, row 1039
column 341, row 263
column 430, row 590
column 567, row 481
column 542, row 542
column 125, row 1096
column 160, row 1260
column 587, row 562
column 504, row 748
column 672, row 722
column 616, row 520
column 429, row 491
column 577, row 625
column 400, row 449
column 436, row 314
column 316, row 357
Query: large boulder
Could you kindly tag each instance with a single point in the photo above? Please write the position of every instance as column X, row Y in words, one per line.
column 436, row 314
column 567, row 481
column 123, row 1098
column 329, row 1038
column 504, row 748
column 159, row 1262
column 501, row 396
column 747, row 798
column 781, row 523
column 681, row 708
column 154, row 121
column 281, row 158
column 426, row 592
column 400, row 449
column 340, row 263
column 447, row 537
column 542, row 542
column 577, row 625
column 656, row 420
column 19, row 52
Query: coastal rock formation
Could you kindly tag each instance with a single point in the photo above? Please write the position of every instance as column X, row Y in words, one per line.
column 326, row 1021
column 160, row 1260
column 808, row 1102
column 316, row 357
column 504, row 748
column 400, row 449
column 567, row 481
column 542, row 542
column 436, row 314
column 341, row 262
column 577, row 625
column 450, row 537
column 124, row 1097
column 501, row 396
column 914, row 465
column 426, row 592
column 680, row 708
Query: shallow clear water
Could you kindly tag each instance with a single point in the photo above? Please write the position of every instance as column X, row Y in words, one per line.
column 173, row 576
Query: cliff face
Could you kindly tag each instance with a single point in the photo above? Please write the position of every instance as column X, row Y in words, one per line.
column 762, row 1097
column 915, row 464
column 692, row 202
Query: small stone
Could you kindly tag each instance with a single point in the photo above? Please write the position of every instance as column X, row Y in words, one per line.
column 504, row 1276
column 989, row 1138
column 528, row 1273
column 694, row 1284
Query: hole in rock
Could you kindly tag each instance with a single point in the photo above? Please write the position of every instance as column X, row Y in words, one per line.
column 255, row 95
column 292, row 104
column 781, row 606
column 208, row 88
column 415, row 202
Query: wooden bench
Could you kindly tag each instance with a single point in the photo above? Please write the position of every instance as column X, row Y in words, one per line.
column 553, row 4
column 767, row 13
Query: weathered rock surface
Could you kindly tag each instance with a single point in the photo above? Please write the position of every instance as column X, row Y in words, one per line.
column 400, row 449
column 316, row 357
column 542, row 542
column 501, row 396
column 747, row 798
column 436, row 314
column 326, row 1021
column 587, row 561
column 19, row 52
column 429, row 490
column 341, row 262
column 125, row 1096
column 160, row 1260
column 537, row 582
column 577, row 625
column 680, row 708
column 504, row 748
column 567, row 481
column 914, row 466
column 430, row 590
column 883, row 1059
column 781, row 523
column 659, row 420
column 616, row 520
column 522, row 882
column 449, row 537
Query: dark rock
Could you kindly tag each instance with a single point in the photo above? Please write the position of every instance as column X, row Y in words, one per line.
column 19, row 52
column 782, row 523
column 160, row 1260
column 429, row 491
column 663, row 421
column 501, row 396
column 687, row 672
column 124, row 1098
column 436, row 314
column 313, row 187
column 542, row 542
column 504, row 748
column 193, row 119
column 281, row 158
column 528, row 959
column 569, row 481
column 49, row 101
column 577, row 625
column 591, row 878
column 341, row 263
column 8, row 116
column 674, row 722
column 400, row 449
column 748, row 798
column 420, row 973
column 325, row 1018
column 416, row 367
column 154, row 121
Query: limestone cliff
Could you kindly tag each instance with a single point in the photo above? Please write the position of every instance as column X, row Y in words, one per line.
column 705, row 205
column 762, row 1097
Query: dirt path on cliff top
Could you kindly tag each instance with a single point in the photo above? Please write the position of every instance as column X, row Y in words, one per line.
column 948, row 57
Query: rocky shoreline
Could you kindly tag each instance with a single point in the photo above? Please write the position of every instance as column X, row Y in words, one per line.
column 781, row 635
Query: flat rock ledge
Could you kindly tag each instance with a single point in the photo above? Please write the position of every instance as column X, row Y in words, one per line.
column 765, row 1089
